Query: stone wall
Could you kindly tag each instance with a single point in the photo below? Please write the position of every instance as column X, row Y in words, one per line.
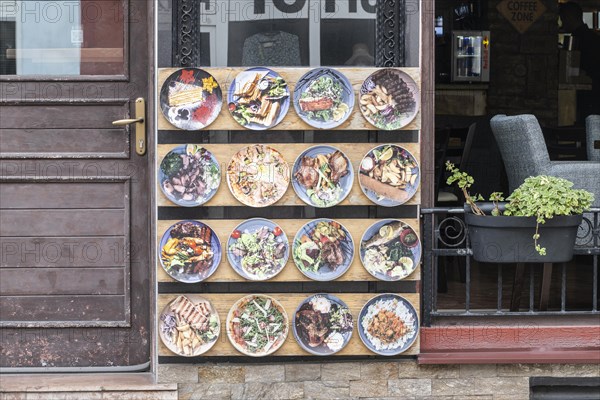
column 362, row 380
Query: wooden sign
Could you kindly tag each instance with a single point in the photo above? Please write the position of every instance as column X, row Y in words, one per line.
column 522, row 13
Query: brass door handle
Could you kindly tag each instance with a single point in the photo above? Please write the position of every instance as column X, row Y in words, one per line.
column 140, row 128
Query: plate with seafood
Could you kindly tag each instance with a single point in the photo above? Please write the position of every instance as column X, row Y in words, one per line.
column 191, row 99
column 388, row 324
column 259, row 98
column 324, row 98
column 190, row 251
column 390, row 250
column 258, row 249
column 189, row 325
column 258, row 176
column 389, row 99
column 257, row 325
column 323, row 249
column 389, row 175
column 189, row 175
column 323, row 324
column 322, row 176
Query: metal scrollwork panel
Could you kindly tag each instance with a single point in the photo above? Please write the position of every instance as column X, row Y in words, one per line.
column 186, row 40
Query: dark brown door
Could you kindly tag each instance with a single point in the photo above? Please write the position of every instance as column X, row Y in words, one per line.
column 74, row 196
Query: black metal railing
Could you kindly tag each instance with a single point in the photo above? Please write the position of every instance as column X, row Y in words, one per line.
column 446, row 240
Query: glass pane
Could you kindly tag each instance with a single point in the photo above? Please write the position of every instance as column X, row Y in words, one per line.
column 75, row 37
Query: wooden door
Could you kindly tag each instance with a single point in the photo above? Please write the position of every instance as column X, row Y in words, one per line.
column 74, row 196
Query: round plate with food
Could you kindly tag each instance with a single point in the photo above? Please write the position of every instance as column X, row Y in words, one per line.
column 389, row 175
column 189, row 325
column 258, row 176
column 324, row 98
column 257, row 325
column 390, row 250
column 189, row 175
column 389, row 99
column 259, row 98
column 388, row 324
column 258, row 249
column 190, row 251
column 191, row 99
column 323, row 324
column 323, row 249
column 322, row 176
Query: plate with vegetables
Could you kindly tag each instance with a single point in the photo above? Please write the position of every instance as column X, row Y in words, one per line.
column 323, row 324
column 322, row 176
column 259, row 98
column 258, row 249
column 189, row 325
column 257, row 325
column 190, row 251
column 258, row 175
column 189, row 175
column 191, row 99
column 323, row 249
column 389, row 99
column 388, row 324
column 389, row 175
column 324, row 98
column 390, row 250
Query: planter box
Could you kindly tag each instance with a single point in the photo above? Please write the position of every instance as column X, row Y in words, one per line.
column 505, row 239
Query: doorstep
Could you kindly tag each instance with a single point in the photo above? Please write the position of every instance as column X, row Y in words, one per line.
column 105, row 386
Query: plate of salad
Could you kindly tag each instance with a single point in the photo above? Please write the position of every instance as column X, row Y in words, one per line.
column 189, row 325
column 259, row 98
column 322, row 176
column 324, row 98
column 323, row 324
column 257, row 325
column 189, row 175
column 389, row 175
column 390, row 250
column 323, row 249
column 388, row 324
column 258, row 249
column 191, row 99
column 389, row 99
column 190, row 251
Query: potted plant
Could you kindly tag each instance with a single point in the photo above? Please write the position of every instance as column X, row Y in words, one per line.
column 544, row 208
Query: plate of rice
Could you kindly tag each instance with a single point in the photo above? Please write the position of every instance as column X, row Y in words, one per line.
column 388, row 324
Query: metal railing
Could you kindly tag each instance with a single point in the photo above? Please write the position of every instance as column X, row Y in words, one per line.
column 445, row 235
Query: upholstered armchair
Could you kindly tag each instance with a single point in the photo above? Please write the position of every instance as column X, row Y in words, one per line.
column 592, row 129
column 524, row 153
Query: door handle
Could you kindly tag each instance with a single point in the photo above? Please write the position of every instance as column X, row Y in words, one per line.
column 140, row 128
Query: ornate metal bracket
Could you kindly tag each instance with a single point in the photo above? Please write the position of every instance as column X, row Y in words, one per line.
column 391, row 27
column 186, row 33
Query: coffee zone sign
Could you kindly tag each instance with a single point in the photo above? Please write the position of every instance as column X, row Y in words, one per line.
column 522, row 13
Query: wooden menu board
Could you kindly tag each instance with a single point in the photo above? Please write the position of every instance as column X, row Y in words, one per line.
column 169, row 213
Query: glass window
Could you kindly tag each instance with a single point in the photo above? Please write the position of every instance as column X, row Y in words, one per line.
column 76, row 37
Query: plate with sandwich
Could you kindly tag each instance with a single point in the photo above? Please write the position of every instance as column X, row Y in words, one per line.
column 191, row 99
column 389, row 175
column 259, row 98
column 324, row 98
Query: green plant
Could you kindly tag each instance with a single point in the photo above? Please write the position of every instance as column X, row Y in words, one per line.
column 542, row 197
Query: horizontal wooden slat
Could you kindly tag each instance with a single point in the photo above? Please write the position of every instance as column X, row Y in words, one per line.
column 61, row 116
column 62, row 195
column 64, row 143
column 62, row 252
column 62, row 222
column 290, row 272
column 290, row 151
column 292, row 121
column 290, row 301
column 61, row 281
column 62, row 309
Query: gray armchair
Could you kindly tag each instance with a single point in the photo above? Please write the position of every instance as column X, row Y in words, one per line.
column 524, row 153
column 592, row 129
